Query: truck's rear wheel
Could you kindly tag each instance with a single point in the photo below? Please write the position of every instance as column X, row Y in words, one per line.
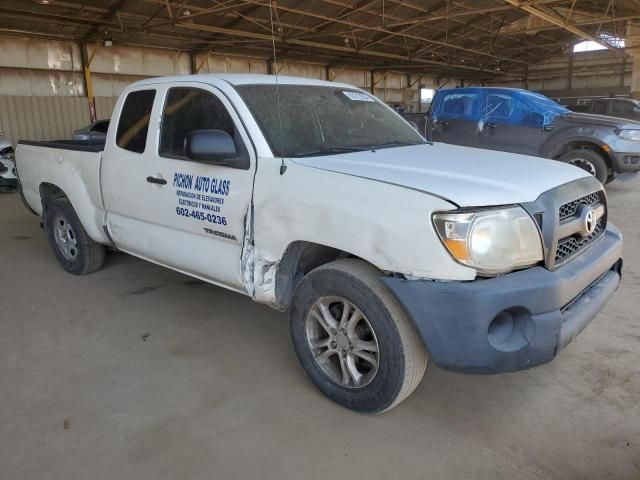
column 76, row 252
column 354, row 339
column 590, row 161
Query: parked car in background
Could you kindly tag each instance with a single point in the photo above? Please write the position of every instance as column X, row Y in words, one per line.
column 519, row 121
column 614, row 107
column 417, row 121
column 8, row 174
column 93, row 131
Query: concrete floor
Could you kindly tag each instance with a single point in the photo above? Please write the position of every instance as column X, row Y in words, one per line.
column 142, row 373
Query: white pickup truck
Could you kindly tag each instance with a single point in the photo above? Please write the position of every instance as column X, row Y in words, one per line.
column 315, row 197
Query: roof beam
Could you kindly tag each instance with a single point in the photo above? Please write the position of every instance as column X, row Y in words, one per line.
column 455, row 14
column 578, row 23
column 560, row 22
column 345, row 12
column 111, row 11
column 379, row 29
column 327, row 46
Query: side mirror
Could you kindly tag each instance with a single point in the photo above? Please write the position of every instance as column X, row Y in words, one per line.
column 214, row 146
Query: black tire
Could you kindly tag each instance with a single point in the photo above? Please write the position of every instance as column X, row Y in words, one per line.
column 83, row 255
column 401, row 356
column 590, row 161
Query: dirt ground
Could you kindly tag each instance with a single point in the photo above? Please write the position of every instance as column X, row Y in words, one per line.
column 138, row 372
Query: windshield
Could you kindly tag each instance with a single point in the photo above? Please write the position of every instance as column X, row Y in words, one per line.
column 318, row 120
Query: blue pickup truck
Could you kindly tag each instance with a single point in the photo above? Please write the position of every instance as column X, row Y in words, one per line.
column 520, row 121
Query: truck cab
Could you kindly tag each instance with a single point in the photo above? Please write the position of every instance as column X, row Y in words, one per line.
column 315, row 198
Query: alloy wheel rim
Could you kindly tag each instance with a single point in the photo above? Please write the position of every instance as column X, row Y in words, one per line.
column 65, row 238
column 585, row 165
column 342, row 342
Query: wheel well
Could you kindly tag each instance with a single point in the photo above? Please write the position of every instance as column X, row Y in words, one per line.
column 50, row 192
column 299, row 259
column 583, row 145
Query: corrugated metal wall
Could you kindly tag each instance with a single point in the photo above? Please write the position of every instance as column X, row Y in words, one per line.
column 598, row 71
column 42, row 94
column 47, row 118
column 104, row 106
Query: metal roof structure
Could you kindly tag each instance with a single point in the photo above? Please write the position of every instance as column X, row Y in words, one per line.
column 469, row 38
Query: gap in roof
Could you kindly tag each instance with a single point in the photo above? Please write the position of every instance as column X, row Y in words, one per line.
column 590, row 45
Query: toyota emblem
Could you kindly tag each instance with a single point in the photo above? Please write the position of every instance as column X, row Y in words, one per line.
column 590, row 221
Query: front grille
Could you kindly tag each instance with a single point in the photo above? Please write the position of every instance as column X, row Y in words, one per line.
column 569, row 209
column 569, row 246
column 570, row 212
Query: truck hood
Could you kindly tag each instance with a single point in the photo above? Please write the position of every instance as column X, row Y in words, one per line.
column 604, row 120
column 464, row 176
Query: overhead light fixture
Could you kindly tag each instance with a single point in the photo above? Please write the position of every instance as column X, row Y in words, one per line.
column 44, row 2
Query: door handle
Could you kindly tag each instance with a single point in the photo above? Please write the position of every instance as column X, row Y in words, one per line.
column 490, row 125
column 442, row 123
column 156, row 180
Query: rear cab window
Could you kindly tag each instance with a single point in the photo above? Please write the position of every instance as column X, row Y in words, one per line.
column 459, row 105
column 133, row 124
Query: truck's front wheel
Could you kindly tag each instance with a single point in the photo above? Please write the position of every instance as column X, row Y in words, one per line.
column 74, row 249
column 354, row 339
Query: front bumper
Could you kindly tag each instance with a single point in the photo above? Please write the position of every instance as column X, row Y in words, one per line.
column 515, row 321
column 625, row 161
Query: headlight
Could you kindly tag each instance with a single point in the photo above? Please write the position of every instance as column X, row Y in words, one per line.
column 491, row 241
column 629, row 135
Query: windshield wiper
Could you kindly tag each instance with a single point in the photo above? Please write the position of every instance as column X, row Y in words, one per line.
column 330, row 150
column 393, row 143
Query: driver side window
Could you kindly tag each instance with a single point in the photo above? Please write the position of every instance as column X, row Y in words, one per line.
column 500, row 108
column 504, row 108
column 621, row 106
column 460, row 106
column 187, row 110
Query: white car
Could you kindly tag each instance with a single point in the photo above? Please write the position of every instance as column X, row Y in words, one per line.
column 316, row 198
column 8, row 173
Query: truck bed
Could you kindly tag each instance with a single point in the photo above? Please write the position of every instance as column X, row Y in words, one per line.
column 71, row 166
column 75, row 145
